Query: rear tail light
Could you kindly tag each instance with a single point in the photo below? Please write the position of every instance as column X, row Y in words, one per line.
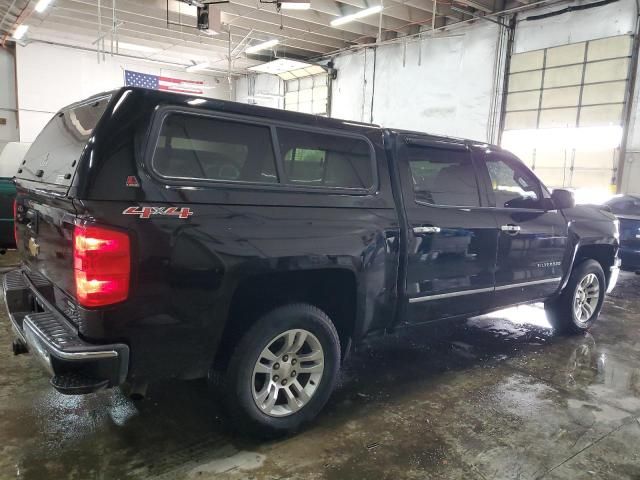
column 102, row 265
column 15, row 221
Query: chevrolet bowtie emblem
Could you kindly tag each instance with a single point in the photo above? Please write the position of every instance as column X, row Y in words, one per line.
column 34, row 248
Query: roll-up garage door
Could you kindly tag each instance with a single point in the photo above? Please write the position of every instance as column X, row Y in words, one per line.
column 308, row 94
column 564, row 112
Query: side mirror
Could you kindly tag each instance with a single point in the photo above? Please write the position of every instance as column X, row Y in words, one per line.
column 563, row 199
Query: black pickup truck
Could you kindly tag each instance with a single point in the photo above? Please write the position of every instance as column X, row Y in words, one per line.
column 168, row 236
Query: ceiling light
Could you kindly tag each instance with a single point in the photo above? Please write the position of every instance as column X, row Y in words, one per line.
column 42, row 5
column 354, row 16
column 262, row 46
column 136, row 48
column 20, row 31
column 197, row 101
column 294, row 4
column 197, row 67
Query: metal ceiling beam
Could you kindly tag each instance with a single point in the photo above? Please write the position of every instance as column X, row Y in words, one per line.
column 317, row 18
column 307, row 29
column 313, row 16
column 427, row 6
column 8, row 16
column 263, row 29
column 405, row 13
column 141, row 33
column 294, row 38
column 476, row 4
column 388, row 23
column 399, row 9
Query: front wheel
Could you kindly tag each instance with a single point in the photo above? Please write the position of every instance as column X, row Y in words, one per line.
column 283, row 370
column 579, row 305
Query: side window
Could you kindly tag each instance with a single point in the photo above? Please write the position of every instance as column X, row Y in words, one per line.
column 207, row 148
column 323, row 160
column 443, row 177
column 513, row 185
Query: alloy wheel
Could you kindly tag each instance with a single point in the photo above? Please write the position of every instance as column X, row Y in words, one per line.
column 585, row 300
column 287, row 373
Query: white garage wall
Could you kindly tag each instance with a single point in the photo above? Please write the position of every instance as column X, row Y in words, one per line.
column 443, row 86
column 9, row 131
column 351, row 90
column 432, row 94
column 263, row 90
column 50, row 77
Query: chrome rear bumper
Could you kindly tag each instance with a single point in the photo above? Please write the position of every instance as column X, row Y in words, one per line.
column 76, row 365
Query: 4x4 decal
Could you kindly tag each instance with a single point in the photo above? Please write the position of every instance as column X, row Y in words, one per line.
column 146, row 212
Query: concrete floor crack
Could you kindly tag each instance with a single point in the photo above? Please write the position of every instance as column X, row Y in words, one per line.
column 587, row 447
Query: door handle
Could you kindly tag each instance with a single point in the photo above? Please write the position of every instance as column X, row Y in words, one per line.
column 422, row 230
column 510, row 229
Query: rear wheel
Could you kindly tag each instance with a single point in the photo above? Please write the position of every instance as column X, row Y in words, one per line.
column 579, row 305
column 283, row 370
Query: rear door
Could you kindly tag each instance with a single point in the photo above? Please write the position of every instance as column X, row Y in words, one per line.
column 452, row 235
column 532, row 247
column 45, row 211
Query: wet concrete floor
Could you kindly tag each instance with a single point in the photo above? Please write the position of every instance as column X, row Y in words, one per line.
column 500, row 398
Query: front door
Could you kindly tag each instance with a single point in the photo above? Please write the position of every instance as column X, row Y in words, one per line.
column 452, row 237
column 532, row 250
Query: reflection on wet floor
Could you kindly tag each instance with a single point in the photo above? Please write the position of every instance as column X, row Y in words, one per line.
column 496, row 397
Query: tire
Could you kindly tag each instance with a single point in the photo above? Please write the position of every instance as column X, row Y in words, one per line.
column 261, row 377
column 562, row 315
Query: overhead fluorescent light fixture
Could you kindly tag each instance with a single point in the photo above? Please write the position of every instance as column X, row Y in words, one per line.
column 20, row 31
column 262, row 46
column 136, row 48
column 197, row 67
column 289, row 69
column 355, row 16
column 294, row 4
column 42, row 5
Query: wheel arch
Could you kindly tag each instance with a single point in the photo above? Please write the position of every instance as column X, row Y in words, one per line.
column 332, row 290
column 603, row 253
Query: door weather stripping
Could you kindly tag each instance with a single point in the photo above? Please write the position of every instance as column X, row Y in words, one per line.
column 440, row 296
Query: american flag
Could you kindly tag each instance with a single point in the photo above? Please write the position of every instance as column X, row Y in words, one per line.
column 156, row 82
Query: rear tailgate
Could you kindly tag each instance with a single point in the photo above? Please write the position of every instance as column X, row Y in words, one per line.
column 45, row 211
